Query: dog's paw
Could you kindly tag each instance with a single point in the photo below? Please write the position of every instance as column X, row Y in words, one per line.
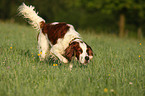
column 70, row 66
column 65, row 60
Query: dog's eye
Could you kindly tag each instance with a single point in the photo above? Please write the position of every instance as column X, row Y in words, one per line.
column 80, row 50
column 87, row 50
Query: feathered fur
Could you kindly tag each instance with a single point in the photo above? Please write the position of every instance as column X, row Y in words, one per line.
column 29, row 13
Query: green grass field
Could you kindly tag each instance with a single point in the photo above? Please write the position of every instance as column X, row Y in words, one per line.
column 117, row 68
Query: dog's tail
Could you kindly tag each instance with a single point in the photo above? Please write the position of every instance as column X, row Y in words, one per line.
column 29, row 13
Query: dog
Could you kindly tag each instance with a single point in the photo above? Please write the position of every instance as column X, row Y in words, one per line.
column 58, row 38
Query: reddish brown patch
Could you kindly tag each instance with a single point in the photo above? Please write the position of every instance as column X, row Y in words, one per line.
column 89, row 50
column 54, row 32
column 73, row 49
column 42, row 23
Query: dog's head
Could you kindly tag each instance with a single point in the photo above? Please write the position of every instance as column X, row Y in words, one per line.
column 80, row 50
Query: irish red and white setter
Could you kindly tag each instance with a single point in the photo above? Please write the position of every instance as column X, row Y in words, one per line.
column 57, row 38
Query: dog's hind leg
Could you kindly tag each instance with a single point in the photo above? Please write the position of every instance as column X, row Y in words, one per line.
column 43, row 46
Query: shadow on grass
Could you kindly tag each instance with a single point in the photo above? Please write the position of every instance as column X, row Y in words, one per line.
column 50, row 61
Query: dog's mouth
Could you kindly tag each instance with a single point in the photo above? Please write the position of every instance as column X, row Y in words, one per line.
column 86, row 62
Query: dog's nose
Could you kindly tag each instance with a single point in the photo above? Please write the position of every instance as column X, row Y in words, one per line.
column 87, row 58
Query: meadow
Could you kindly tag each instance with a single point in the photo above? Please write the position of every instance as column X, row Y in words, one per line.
column 117, row 68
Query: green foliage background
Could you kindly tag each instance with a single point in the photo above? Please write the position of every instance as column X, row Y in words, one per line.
column 84, row 14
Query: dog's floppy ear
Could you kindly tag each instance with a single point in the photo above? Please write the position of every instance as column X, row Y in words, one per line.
column 69, row 52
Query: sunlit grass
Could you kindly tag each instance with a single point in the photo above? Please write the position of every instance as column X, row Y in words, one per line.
column 116, row 70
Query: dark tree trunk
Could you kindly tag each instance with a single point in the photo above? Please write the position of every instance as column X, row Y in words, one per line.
column 121, row 25
column 139, row 33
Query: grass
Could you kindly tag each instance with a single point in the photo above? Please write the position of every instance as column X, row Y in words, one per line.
column 116, row 69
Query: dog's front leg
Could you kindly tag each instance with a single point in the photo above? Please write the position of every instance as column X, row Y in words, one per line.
column 43, row 46
column 61, row 58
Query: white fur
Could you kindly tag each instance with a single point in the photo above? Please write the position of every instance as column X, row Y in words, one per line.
column 54, row 23
column 84, row 53
column 43, row 45
column 43, row 41
column 84, row 49
column 63, row 43
column 90, row 57
column 59, row 47
column 29, row 13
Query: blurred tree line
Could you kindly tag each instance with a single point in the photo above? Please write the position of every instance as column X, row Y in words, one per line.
column 121, row 17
